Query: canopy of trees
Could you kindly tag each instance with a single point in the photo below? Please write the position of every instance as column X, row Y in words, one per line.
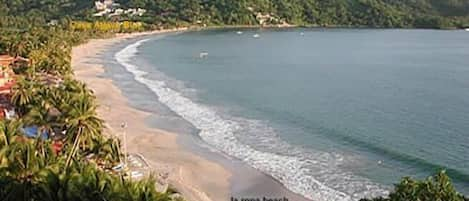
column 47, row 96
column 31, row 170
column 366, row 13
column 437, row 188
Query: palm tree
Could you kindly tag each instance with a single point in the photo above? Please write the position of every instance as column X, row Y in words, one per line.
column 14, row 45
column 8, row 129
column 107, row 150
column 23, row 94
column 21, row 162
column 83, row 123
column 29, row 169
column 74, row 86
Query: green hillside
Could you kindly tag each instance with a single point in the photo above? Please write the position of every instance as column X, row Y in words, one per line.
column 357, row 13
column 80, row 163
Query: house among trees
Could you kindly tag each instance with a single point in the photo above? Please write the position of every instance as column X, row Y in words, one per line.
column 7, row 63
column 6, row 60
column 104, row 7
column 7, row 80
column 106, row 4
column 109, row 8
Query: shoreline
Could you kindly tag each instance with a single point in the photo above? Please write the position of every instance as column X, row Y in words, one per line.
column 177, row 156
column 182, row 169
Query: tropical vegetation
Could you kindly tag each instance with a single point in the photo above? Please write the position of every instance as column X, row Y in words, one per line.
column 436, row 188
column 345, row 13
column 64, row 111
column 46, row 94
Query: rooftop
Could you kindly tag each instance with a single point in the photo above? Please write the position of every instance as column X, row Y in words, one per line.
column 6, row 60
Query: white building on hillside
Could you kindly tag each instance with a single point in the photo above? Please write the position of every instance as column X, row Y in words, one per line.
column 110, row 8
column 106, row 4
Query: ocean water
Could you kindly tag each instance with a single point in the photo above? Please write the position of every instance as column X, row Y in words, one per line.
column 333, row 114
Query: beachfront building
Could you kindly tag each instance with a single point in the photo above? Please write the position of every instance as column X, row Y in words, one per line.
column 6, row 60
column 7, row 80
column 7, row 63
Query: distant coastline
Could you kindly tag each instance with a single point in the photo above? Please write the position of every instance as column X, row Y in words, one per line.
column 288, row 26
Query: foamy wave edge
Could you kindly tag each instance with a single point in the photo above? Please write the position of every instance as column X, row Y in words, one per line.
column 220, row 133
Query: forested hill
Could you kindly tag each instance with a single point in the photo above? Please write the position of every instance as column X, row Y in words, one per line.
column 367, row 13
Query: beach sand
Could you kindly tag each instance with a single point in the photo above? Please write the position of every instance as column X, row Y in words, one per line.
column 187, row 172
column 195, row 177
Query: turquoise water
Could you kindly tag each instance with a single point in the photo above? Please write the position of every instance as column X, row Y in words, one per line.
column 333, row 114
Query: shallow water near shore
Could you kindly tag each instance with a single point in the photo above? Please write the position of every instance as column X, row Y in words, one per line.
column 246, row 182
column 332, row 114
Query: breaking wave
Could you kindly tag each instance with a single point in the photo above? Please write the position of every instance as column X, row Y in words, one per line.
column 315, row 175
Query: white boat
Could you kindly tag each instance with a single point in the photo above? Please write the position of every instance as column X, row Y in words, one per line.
column 203, row 55
column 467, row 29
column 256, row 36
column 239, row 32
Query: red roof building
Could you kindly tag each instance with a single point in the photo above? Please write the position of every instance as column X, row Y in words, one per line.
column 6, row 72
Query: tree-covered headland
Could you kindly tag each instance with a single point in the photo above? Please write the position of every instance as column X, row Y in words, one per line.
column 71, row 157
column 342, row 13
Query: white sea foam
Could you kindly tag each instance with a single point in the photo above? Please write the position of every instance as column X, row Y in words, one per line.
column 316, row 176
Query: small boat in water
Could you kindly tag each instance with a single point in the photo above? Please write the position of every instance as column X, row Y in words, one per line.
column 467, row 29
column 256, row 36
column 239, row 32
column 302, row 34
column 203, row 55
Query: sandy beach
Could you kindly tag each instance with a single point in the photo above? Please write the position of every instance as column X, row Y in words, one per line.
column 195, row 177
column 187, row 172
